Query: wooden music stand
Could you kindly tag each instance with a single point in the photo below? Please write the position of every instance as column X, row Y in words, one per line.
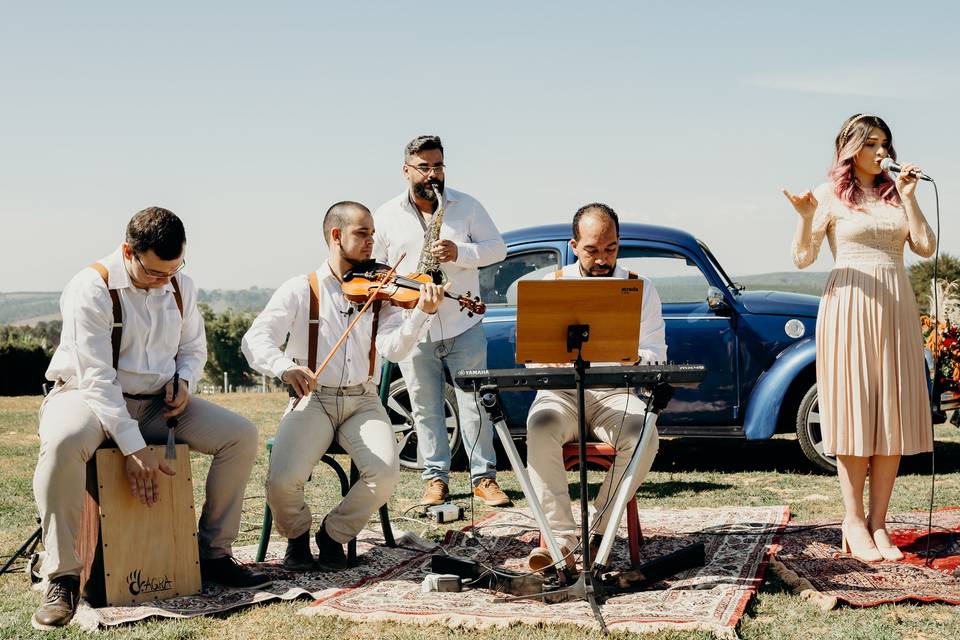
column 548, row 309
column 580, row 320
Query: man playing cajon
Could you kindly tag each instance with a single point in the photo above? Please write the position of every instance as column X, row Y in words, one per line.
column 116, row 382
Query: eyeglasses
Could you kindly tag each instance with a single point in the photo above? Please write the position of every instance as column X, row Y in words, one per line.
column 426, row 170
column 160, row 274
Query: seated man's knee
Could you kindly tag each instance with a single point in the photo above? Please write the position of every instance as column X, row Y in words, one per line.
column 383, row 476
column 283, row 482
column 246, row 437
column 541, row 424
column 72, row 447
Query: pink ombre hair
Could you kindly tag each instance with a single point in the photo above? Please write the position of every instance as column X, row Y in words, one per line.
column 853, row 135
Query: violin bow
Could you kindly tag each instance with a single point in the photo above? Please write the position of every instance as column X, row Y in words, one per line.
column 346, row 332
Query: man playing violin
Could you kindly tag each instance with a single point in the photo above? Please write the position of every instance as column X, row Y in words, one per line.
column 467, row 240
column 342, row 402
column 615, row 416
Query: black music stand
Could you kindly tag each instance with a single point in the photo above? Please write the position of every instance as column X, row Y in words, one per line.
column 561, row 321
column 26, row 550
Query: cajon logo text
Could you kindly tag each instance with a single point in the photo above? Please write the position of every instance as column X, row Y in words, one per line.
column 628, row 289
column 150, row 585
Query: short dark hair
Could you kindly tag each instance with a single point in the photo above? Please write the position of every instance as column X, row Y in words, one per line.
column 422, row 143
column 594, row 208
column 158, row 229
column 337, row 216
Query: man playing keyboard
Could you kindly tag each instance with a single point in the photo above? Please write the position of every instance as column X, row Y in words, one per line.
column 614, row 415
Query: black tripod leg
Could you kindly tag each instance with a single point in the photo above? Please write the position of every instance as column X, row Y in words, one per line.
column 30, row 543
column 592, row 599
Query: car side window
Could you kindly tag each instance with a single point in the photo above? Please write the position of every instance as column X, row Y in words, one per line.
column 676, row 277
column 498, row 281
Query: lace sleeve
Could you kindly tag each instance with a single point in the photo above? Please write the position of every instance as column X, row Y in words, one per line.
column 806, row 249
column 926, row 244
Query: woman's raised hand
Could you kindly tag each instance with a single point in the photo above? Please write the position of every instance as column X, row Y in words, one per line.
column 805, row 203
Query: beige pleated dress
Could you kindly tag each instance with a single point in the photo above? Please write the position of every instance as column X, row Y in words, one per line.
column 871, row 381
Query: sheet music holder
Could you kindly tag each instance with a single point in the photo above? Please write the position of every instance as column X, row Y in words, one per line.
column 546, row 309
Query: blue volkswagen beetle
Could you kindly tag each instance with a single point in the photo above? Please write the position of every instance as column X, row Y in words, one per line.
column 757, row 346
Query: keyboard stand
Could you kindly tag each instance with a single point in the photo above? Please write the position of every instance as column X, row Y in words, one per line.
column 589, row 584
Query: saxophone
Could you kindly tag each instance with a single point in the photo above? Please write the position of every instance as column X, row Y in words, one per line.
column 428, row 262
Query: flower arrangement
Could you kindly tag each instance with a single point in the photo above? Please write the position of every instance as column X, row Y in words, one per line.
column 943, row 343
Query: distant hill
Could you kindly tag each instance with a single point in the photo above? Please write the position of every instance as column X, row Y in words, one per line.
column 17, row 307
column 811, row 282
column 29, row 308
column 252, row 299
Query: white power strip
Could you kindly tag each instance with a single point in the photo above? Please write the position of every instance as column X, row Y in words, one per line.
column 446, row 512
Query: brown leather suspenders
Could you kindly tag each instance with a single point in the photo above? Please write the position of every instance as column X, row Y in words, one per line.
column 116, row 334
column 373, row 336
column 313, row 329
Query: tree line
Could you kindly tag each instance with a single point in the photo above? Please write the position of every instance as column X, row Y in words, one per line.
column 25, row 351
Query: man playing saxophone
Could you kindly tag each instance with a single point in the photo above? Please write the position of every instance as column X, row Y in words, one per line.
column 449, row 232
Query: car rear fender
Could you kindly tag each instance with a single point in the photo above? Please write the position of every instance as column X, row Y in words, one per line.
column 760, row 421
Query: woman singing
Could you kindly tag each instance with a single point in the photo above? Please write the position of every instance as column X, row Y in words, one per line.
column 871, row 381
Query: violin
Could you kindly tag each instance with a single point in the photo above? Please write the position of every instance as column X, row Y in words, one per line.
column 373, row 281
column 401, row 291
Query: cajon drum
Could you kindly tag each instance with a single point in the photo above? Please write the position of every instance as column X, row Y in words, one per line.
column 131, row 552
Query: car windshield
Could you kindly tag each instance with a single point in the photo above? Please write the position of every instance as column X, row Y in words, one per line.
column 730, row 284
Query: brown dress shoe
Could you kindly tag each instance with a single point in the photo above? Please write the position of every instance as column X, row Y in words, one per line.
column 540, row 560
column 436, row 492
column 59, row 603
column 490, row 493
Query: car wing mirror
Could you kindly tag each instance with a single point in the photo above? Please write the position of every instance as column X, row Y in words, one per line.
column 717, row 302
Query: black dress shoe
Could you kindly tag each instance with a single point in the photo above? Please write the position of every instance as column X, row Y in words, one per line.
column 231, row 573
column 331, row 556
column 298, row 556
column 59, row 603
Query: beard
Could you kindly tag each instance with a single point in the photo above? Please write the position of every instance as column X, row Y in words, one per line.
column 423, row 191
column 600, row 272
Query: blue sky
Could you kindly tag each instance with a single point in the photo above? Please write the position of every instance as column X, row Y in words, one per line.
column 250, row 119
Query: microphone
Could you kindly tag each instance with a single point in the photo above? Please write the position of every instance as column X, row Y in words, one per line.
column 888, row 164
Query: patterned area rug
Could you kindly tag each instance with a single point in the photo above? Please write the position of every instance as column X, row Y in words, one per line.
column 711, row 598
column 374, row 560
column 810, row 562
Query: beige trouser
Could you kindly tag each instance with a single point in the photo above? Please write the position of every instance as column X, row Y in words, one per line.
column 362, row 428
column 70, row 434
column 552, row 422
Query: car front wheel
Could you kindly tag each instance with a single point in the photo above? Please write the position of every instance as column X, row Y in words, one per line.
column 809, row 434
column 401, row 416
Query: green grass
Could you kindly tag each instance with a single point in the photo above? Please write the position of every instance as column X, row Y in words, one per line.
column 687, row 473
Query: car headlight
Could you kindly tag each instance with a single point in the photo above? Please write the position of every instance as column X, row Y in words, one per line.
column 794, row 328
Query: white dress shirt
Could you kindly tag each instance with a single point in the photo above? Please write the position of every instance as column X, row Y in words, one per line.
column 288, row 312
column 467, row 224
column 653, row 344
column 156, row 343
